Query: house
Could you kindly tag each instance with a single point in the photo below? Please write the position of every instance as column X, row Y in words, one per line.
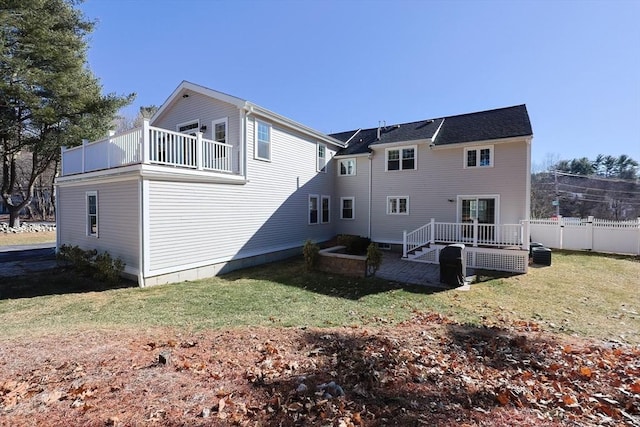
column 214, row 183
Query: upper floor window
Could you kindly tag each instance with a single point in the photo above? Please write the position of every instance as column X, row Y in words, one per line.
column 92, row 213
column 321, row 158
column 401, row 158
column 478, row 157
column 398, row 205
column 190, row 128
column 219, row 131
column 347, row 167
column 263, row 141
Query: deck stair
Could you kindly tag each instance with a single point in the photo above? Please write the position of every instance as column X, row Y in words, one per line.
column 426, row 254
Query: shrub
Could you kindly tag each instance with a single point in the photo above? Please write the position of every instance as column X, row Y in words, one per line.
column 374, row 258
column 90, row 263
column 354, row 245
column 310, row 252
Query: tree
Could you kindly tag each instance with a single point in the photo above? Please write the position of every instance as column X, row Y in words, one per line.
column 48, row 96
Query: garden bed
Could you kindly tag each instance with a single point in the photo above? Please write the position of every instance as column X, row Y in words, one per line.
column 335, row 260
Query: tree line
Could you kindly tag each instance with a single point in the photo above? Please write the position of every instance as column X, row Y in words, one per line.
column 606, row 187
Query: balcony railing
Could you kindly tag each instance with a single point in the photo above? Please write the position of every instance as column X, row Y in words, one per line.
column 471, row 233
column 148, row 145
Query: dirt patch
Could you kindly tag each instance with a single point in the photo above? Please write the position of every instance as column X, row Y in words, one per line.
column 427, row 371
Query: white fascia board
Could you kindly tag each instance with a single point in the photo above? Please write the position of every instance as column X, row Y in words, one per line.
column 185, row 85
column 400, row 143
column 282, row 120
column 348, row 156
column 525, row 138
column 106, row 175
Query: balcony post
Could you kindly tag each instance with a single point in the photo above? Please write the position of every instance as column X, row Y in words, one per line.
column 526, row 234
column 111, row 134
column 199, row 160
column 84, row 144
column 145, row 148
column 432, row 226
column 475, row 232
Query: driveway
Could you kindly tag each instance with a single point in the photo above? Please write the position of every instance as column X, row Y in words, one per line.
column 22, row 259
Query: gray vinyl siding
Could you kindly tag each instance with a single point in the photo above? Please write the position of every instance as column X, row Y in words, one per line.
column 356, row 186
column 118, row 219
column 205, row 109
column 441, row 177
column 198, row 223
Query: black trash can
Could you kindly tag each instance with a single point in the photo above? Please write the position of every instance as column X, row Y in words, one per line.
column 451, row 265
column 541, row 255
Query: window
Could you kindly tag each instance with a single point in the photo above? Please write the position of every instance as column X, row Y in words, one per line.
column 263, row 141
column 313, row 209
column 347, row 210
column 478, row 157
column 190, row 128
column 397, row 205
column 321, row 158
column 92, row 213
column 401, row 158
column 347, row 167
column 325, row 209
column 219, row 131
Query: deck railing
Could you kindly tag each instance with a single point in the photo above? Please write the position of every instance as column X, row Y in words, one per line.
column 149, row 145
column 470, row 233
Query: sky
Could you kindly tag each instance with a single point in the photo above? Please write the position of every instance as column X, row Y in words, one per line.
column 342, row 65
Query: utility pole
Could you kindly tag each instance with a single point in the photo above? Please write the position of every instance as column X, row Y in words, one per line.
column 557, row 201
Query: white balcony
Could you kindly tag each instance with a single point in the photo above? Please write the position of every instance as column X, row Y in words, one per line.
column 149, row 145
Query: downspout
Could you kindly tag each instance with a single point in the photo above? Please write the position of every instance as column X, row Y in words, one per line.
column 370, row 189
column 141, row 235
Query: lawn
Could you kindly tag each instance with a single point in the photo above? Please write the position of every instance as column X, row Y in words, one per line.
column 27, row 238
column 588, row 295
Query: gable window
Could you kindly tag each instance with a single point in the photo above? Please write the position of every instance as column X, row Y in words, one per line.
column 347, row 210
column 220, row 130
column 313, row 209
column 92, row 213
column 398, row 205
column 263, row 141
column 347, row 167
column 325, row 209
column 321, row 158
column 401, row 158
column 478, row 157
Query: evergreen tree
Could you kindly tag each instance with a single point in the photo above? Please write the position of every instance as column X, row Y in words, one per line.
column 48, row 96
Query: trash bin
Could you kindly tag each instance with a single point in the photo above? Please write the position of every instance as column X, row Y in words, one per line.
column 534, row 245
column 452, row 265
column 541, row 255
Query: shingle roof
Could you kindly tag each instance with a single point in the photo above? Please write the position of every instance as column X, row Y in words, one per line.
column 480, row 126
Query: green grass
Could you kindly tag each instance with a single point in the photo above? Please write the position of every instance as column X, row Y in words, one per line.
column 588, row 295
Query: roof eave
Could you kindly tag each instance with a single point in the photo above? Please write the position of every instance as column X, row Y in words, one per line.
column 511, row 139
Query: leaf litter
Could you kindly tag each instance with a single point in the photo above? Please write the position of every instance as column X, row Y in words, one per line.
column 425, row 371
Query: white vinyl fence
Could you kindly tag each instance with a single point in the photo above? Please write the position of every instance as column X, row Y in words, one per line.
column 591, row 234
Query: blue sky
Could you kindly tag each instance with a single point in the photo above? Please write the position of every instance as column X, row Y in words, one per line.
column 341, row 65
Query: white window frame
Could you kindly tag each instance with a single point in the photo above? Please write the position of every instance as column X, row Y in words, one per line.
column 224, row 120
column 321, row 162
column 400, row 153
column 478, row 150
column 89, row 215
column 193, row 131
column 353, row 208
column 256, row 141
column 322, row 199
column 344, row 163
column 397, row 205
column 318, row 209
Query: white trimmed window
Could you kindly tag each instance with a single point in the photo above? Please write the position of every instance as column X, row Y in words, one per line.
column 92, row 213
column 347, row 167
column 314, row 201
column 263, row 141
column 190, row 128
column 219, row 130
column 347, row 208
column 397, row 205
column 401, row 158
column 478, row 157
column 321, row 158
column 326, row 209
